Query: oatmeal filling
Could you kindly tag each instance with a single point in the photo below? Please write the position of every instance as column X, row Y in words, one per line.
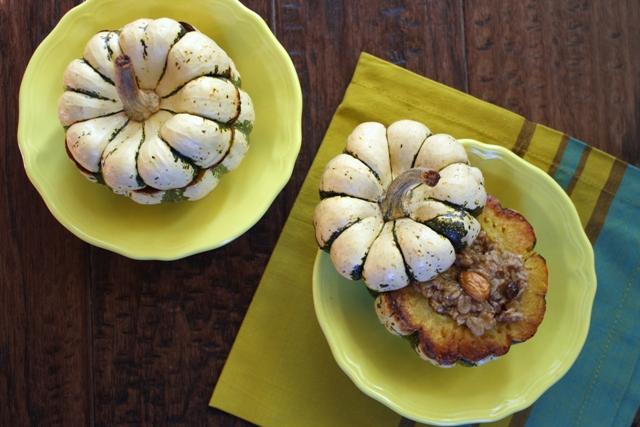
column 506, row 276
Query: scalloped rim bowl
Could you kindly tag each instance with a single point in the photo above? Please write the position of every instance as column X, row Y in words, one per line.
column 386, row 368
column 167, row 231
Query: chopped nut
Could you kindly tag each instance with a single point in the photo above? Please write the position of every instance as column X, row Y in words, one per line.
column 475, row 285
column 464, row 305
column 510, row 316
column 464, row 260
column 475, row 325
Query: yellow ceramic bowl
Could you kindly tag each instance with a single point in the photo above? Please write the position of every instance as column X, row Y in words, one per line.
column 385, row 366
column 166, row 231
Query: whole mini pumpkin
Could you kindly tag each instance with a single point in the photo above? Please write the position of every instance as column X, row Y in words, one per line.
column 155, row 111
column 397, row 204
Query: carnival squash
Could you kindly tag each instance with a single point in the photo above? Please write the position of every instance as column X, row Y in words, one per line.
column 155, row 111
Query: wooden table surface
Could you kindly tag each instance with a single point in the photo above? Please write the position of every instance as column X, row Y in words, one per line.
column 90, row 337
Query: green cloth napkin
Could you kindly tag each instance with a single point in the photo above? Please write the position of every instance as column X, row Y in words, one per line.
column 280, row 371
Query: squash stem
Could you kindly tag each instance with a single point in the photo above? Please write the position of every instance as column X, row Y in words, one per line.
column 392, row 204
column 138, row 104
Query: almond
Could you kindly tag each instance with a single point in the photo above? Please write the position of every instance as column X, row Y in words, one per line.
column 475, row 285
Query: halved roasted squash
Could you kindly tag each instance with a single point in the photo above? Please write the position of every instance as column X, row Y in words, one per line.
column 437, row 337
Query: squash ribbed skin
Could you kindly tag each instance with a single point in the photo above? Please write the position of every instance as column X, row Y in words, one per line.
column 197, row 131
column 390, row 171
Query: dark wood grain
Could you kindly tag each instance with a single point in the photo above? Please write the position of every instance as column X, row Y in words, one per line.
column 569, row 64
column 89, row 337
column 44, row 270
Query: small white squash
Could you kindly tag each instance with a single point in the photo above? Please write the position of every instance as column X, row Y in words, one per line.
column 398, row 204
column 155, row 111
